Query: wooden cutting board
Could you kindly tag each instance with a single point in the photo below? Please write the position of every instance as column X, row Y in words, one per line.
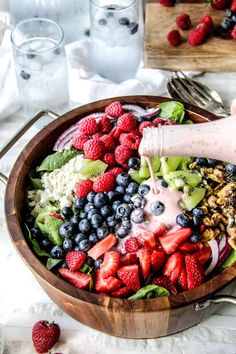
column 215, row 55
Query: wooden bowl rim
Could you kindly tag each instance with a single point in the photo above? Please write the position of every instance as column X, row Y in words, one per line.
column 47, row 276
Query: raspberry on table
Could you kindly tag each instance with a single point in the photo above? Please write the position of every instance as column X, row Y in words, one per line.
column 109, row 142
column 196, row 37
column 94, row 149
column 79, row 140
column 109, row 159
column 88, row 126
column 127, row 122
column 83, row 188
column 220, row 4
column 183, row 21
column 174, row 38
column 114, row 110
column 105, row 124
column 105, row 183
column 123, row 154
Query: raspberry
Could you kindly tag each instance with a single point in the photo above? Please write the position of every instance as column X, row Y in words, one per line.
column 131, row 245
column 158, row 121
column 109, row 142
column 131, row 140
column 88, row 126
column 83, row 188
column 127, row 122
column 114, row 110
column 169, row 122
column 220, row 4
column 203, row 27
column 109, row 159
column 116, row 171
column 145, row 125
column 208, row 21
column 105, row 183
column 94, row 149
column 116, row 133
column 104, row 124
column 97, row 135
column 167, row 2
column 79, row 140
column 123, row 154
column 233, row 33
column 196, row 37
column 174, row 38
column 183, row 21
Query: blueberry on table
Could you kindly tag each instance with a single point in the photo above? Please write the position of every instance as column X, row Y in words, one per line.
column 227, row 23
column 102, row 232
column 230, row 169
column 183, row 220
column 36, row 233
column 143, row 189
column 137, row 216
column 123, row 210
column 66, row 212
column 67, row 229
column 57, row 252
column 91, row 196
column 138, row 202
column 122, row 232
column 68, row 245
column 83, row 215
column 80, row 203
column 85, row 245
column 197, row 220
column 134, row 163
column 96, row 221
column 84, row 226
column 75, row 219
column 212, row 162
column 132, row 188
column 79, row 237
column 24, row 75
column 101, row 199
column 30, row 219
column 123, row 179
column 64, row 265
column 106, row 211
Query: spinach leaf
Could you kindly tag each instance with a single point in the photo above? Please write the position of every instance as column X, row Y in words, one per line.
column 37, row 249
column 49, row 208
column 49, row 226
column 172, row 110
column 149, row 292
column 57, row 160
column 35, row 180
column 51, row 262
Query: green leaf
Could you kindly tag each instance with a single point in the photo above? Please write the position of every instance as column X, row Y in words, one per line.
column 172, row 110
column 35, row 180
column 48, row 208
column 37, row 249
column 57, row 160
column 49, row 226
column 51, row 262
column 149, row 292
column 229, row 260
column 86, row 269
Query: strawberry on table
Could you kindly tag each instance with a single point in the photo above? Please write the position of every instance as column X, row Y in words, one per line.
column 144, row 256
column 110, row 264
column 195, row 275
column 78, row 279
column 102, row 246
column 158, row 258
column 166, row 283
column 172, row 240
column 75, row 259
column 173, row 266
column 45, row 335
column 107, row 285
column 130, row 276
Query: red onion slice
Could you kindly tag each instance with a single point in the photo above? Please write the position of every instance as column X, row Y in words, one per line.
column 215, row 256
column 135, row 109
column 151, row 112
column 224, row 249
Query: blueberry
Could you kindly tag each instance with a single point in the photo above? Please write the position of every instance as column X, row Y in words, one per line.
column 80, row 203
column 143, row 189
column 30, row 55
column 75, row 219
column 102, row 22
column 120, row 189
column 163, row 183
column 106, row 211
column 66, row 212
column 197, row 220
column 76, row 248
column 126, row 223
column 92, row 212
column 79, row 237
column 84, row 226
column 83, row 215
column 91, row 196
column 57, row 252
column 198, row 212
column 157, row 207
column 88, row 206
column 132, row 188
column 134, row 163
column 68, row 245
column 24, row 75
column 84, row 245
column 100, row 199
column 96, row 221
column 111, row 221
column 124, row 21
column 123, row 210
column 127, row 198
column 195, row 238
column 138, row 202
column 116, row 204
column 230, row 169
column 36, row 233
column 102, row 232
column 137, row 216
column 229, row 13
column 87, row 33
column 122, row 232
column 201, row 161
column 89, row 261
column 45, row 244
column 212, row 162
column 30, row 219
column 97, row 263
column 183, row 220
column 57, row 51
column 93, row 238
column 113, row 196
column 133, row 27
column 67, row 229
column 123, row 179
column 109, row 14
column 227, row 23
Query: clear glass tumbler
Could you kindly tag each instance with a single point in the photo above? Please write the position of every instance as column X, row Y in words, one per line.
column 40, row 62
column 116, row 38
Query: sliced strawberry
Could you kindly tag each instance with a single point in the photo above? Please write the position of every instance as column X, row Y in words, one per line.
column 122, row 292
column 75, row 259
column 131, row 245
column 106, row 285
column 160, row 230
column 172, row 240
column 189, row 247
column 102, row 246
column 157, row 259
column 78, row 279
column 204, row 255
column 144, row 256
column 182, row 280
column 56, row 216
column 110, row 264
column 127, row 259
column 166, row 283
column 129, row 275
column 146, row 238
column 173, row 266
column 202, row 228
column 195, row 275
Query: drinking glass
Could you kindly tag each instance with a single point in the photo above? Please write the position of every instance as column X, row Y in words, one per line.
column 40, row 62
column 116, row 38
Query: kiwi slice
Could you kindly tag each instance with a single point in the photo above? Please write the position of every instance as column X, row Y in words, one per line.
column 183, row 165
column 135, row 177
column 92, row 168
column 144, row 172
column 181, row 178
column 173, row 162
column 192, row 196
column 156, row 163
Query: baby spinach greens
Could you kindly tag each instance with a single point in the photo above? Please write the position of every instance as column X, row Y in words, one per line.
column 172, row 110
column 35, row 180
column 57, row 160
column 149, row 292
column 49, row 226
column 51, row 263
column 37, row 249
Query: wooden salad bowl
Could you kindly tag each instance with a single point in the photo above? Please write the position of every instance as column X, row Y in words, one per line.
column 147, row 318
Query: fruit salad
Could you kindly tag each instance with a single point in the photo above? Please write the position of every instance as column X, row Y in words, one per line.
column 94, row 219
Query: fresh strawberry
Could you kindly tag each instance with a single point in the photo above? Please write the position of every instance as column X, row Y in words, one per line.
column 197, row 36
column 130, row 276
column 79, row 140
column 173, row 266
column 127, row 259
column 144, row 125
column 145, row 238
column 127, row 122
column 183, row 21
column 182, row 280
column 75, row 259
column 45, row 335
column 189, row 247
column 233, row 5
column 110, row 264
column 157, row 259
column 94, row 149
column 174, row 38
column 172, row 240
column 114, row 110
column 122, row 292
column 144, row 256
column 204, row 255
column 160, row 230
column 132, row 140
column 88, row 126
column 202, row 228
column 109, row 159
column 220, row 4
column 107, row 285
column 104, row 124
column 131, row 245
column 104, row 183
column 102, row 246
column 195, row 275
column 83, row 188
column 109, row 142
column 56, row 216
column 208, row 21
column 166, row 283
column 116, row 171
column 78, row 279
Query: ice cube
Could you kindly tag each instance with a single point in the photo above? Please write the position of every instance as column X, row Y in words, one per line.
column 122, row 36
column 34, row 65
column 36, row 45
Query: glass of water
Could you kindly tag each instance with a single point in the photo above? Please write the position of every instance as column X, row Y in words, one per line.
column 116, row 38
column 40, row 62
